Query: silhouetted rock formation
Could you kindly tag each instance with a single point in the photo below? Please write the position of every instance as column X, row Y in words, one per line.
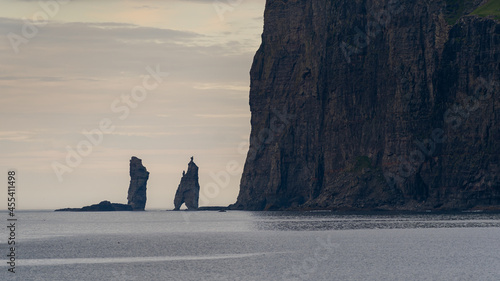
column 188, row 191
column 213, row 208
column 138, row 180
column 363, row 104
column 104, row 206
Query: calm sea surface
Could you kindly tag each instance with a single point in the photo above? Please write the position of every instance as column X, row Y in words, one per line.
column 160, row 245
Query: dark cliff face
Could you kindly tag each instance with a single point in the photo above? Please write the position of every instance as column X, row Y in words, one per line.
column 373, row 104
column 188, row 191
column 138, row 181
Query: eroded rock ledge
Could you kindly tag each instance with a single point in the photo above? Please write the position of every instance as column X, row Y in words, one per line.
column 104, row 206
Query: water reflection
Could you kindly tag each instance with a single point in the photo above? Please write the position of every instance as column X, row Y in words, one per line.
column 320, row 221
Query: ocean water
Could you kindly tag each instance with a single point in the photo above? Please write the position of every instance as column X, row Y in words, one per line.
column 236, row 245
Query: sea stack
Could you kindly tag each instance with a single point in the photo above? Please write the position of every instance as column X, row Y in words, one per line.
column 138, row 180
column 188, row 191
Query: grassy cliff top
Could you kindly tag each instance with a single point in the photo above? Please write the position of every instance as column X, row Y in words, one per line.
column 455, row 9
column 491, row 8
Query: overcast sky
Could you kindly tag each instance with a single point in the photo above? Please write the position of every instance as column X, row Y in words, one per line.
column 89, row 62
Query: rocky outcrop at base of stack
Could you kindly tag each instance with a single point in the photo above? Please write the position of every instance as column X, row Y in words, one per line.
column 188, row 191
column 136, row 193
column 104, row 206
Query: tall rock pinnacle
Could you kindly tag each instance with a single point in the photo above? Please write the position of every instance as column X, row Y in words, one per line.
column 138, row 180
column 188, row 191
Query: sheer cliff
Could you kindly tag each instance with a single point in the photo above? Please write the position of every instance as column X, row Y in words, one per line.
column 374, row 104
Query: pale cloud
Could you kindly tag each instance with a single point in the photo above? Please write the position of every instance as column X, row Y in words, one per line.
column 163, row 115
column 218, row 116
column 151, row 134
column 215, row 86
column 93, row 52
column 147, row 7
column 16, row 135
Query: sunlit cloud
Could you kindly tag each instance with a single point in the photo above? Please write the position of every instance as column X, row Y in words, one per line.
column 218, row 116
column 151, row 134
column 163, row 115
column 215, row 86
column 17, row 135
